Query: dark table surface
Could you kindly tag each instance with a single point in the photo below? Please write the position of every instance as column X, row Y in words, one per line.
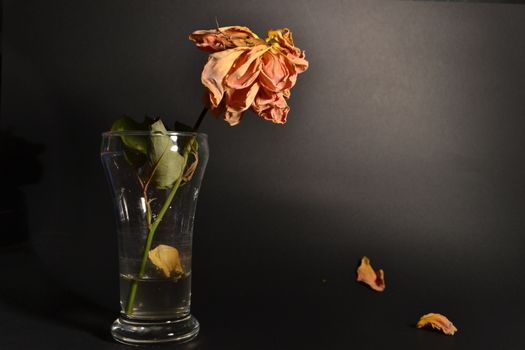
column 44, row 304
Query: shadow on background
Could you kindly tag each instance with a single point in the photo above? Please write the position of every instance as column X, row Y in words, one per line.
column 21, row 167
column 34, row 264
column 35, row 291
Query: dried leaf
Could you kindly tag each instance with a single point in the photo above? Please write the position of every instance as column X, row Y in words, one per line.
column 165, row 161
column 366, row 274
column 134, row 146
column 167, row 259
column 437, row 321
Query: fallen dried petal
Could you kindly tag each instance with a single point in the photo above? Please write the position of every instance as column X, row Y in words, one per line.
column 366, row 274
column 167, row 259
column 437, row 321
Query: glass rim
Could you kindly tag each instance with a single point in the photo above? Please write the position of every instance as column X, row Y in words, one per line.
column 154, row 133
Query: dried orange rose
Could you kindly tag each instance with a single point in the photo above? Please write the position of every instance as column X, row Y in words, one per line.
column 437, row 321
column 366, row 274
column 244, row 71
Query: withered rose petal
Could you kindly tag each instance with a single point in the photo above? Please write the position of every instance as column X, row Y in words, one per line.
column 208, row 40
column 366, row 274
column 276, row 114
column 437, row 321
column 271, row 106
column 224, row 38
column 300, row 63
column 263, row 100
column 238, row 101
column 294, row 54
column 267, row 99
column 167, row 259
column 241, row 100
column 214, row 72
column 246, row 68
column 233, row 117
column 277, row 72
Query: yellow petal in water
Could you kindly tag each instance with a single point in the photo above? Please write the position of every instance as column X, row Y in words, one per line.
column 167, row 259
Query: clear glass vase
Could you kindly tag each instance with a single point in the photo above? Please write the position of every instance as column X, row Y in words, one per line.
column 155, row 180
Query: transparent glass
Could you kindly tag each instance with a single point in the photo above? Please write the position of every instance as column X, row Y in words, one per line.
column 155, row 195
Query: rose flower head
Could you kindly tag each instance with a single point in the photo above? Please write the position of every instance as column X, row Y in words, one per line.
column 244, row 71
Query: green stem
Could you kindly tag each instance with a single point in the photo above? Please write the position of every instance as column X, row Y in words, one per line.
column 149, row 240
column 156, row 223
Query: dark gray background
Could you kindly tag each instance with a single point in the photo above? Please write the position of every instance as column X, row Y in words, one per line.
column 404, row 143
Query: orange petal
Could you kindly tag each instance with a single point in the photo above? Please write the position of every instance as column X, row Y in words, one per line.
column 271, row 105
column 237, row 101
column 277, row 72
column 294, row 54
column 437, row 321
column 224, row 38
column 240, row 100
column 214, row 72
column 246, row 69
column 233, row 117
column 366, row 274
column 267, row 99
column 276, row 114
column 299, row 62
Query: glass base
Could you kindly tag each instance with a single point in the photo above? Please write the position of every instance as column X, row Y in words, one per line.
column 141, row 332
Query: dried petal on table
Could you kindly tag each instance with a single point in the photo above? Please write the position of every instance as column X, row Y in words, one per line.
column 366, row 274
column 167, row 259
column 437, row 321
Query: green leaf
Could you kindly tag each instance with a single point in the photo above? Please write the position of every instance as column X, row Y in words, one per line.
column 165, row 162
column 134, row 158
column 135, row 147
column 137, row 143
